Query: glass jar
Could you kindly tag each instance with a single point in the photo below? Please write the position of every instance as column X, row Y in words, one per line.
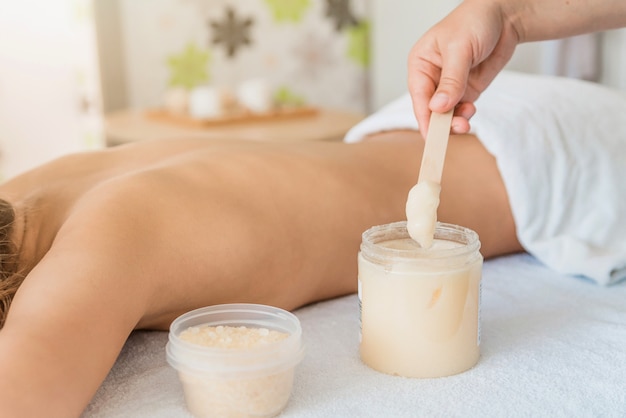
column 419, row 308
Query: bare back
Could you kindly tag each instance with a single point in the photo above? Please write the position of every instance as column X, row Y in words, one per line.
column 194, row 214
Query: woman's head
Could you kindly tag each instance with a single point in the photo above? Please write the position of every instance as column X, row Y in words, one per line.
column 10, row 279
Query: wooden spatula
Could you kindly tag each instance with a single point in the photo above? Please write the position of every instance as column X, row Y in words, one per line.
column 423, row 199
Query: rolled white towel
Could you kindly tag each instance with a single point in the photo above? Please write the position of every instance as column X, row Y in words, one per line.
column 256, row 95
column 209, row 102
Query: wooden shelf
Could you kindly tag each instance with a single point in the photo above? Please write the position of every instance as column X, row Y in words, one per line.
column 236, row 117
column 318, row 125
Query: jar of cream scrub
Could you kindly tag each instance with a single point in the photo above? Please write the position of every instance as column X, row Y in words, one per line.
column 420, row 308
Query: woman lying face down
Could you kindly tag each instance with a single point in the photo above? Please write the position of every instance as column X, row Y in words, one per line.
column 96, row 245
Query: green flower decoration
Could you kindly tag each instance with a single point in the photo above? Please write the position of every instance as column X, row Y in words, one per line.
column 358, row 43
column 288, row 10
column 285, row 97
column 189, row 68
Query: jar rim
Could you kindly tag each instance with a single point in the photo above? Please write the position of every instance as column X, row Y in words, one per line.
column 375, row 235
column 194, row 358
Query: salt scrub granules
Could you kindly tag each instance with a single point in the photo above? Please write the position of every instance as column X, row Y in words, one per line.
column 236, row 360
column 231, row 337
column 218, row 396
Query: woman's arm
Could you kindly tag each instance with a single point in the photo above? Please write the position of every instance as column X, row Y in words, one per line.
column 455, row 60
column 67, row 325
column 537, row 20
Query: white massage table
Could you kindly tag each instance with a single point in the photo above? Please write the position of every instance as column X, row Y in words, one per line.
column 552, row 346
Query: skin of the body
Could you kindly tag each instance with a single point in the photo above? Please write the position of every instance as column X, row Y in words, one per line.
column 457, row 59
column 131, row 237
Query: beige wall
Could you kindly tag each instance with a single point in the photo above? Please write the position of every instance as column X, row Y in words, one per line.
column 112, row 64
column 396, row 25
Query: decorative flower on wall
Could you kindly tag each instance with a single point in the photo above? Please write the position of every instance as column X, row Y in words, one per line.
column 288, row 10
column 232, row 32
column 314, row 55
column 358, row 44
column 189, row 68
column 317, row 49
column 340, row 12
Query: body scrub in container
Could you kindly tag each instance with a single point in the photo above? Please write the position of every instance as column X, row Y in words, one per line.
column 419, row 307
column 236, row 360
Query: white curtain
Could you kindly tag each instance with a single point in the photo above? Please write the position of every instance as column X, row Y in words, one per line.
column 576, row 57
column 614, row 58
column 49, row 82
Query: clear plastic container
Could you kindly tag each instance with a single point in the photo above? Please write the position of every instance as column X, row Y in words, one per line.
column 420, row 308
column 236, row 382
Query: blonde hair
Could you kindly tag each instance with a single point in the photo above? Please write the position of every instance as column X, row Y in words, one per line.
column 10, row 278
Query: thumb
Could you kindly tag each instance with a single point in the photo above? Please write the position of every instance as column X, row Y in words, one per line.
column 455, row 70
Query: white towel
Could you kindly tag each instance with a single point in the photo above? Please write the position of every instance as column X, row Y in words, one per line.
column 550, row 347
column 560, row 145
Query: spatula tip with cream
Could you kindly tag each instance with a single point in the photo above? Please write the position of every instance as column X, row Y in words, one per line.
column 423, row 198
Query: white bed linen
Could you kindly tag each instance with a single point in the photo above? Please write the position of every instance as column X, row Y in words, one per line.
column 552, row 346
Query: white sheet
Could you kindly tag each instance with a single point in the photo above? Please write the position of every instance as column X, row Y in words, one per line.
column 560, row 145
column 552, row 346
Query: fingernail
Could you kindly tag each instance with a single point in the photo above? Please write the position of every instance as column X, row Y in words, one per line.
column 458, row 128
column 439, row 100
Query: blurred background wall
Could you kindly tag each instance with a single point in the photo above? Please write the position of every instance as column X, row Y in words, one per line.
column 342, row 53
column 65, row 63
column 314, row 50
